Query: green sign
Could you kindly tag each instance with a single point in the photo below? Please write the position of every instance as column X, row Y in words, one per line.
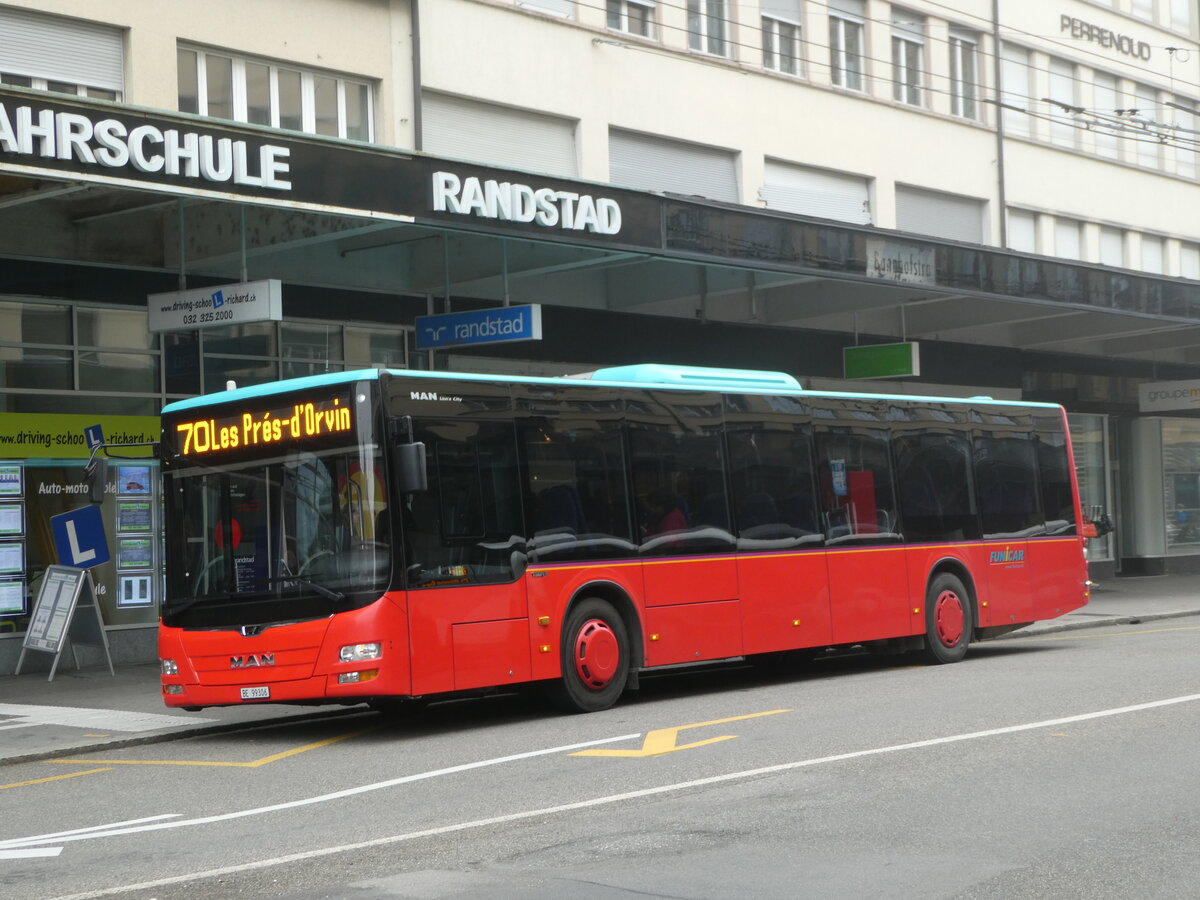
column 882, row 360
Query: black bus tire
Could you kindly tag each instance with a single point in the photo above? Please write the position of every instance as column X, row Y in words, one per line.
column 949, row 619
column 594, row 656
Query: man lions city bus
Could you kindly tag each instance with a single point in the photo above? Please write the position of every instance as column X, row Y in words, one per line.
column 376, row 535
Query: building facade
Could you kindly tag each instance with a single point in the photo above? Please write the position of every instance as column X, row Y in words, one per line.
column 745, row 183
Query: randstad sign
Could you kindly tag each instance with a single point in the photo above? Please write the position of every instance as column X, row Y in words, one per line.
column 480, row 326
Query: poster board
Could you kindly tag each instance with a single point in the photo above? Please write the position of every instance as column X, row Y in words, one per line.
column 59, row 616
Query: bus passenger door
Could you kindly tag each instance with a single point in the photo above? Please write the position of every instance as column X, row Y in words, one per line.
column 464, row 552
column 868, row 578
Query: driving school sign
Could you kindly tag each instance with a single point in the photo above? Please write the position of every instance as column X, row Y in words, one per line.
column 225, row 304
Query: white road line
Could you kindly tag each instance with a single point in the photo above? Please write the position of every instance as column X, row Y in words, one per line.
column 30, row 854
column 582, row 804
column 46, row 838
column 116, row 828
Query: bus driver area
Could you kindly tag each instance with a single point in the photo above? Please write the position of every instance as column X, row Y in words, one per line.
column 373, row 535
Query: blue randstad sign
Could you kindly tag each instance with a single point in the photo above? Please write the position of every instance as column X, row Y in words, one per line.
column 481, row 326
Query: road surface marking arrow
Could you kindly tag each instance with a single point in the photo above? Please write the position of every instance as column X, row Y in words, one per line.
column 662, row 740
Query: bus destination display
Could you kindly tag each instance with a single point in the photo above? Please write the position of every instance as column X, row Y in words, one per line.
column 250, row 429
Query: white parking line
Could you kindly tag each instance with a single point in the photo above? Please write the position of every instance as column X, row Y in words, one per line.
column 552, row 810
column 30, row 854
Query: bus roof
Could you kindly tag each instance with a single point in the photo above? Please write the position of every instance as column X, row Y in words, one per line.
column 636, row 376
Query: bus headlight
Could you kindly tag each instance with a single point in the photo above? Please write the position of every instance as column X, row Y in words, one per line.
column 169, row 667
column 359, row 652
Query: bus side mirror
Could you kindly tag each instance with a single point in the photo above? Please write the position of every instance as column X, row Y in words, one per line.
column 96, row 474
column 411, row 474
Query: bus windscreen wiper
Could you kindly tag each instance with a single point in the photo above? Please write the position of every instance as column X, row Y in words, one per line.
column 326, row 592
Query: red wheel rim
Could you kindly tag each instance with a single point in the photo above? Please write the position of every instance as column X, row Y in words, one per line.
column 597, row 654
column 948, row 618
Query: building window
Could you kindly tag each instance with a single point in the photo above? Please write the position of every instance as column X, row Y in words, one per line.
column 1184, row 139
column 908, row 45
column 708, row 26
column 1189, row 261
column 1112, row 247
column 1015, row 81
column 1106, row 101
column 1181, row 15
column 69, row 56
column 632, row 16
column 265, row 93
column 846, row 43
column 1068, row 239
column 1022, row 231
column 1143, row 9
column 1145, row 118
column 781, row 35
column 554, row 7
column 964, row 77
column 1062, row 103
column 1152, row 254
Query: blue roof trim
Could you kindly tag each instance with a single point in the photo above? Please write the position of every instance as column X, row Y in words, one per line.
column 735, row 381
column 272, row 388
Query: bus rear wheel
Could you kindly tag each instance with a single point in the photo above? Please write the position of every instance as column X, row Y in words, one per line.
column 595, row 658
column 949, row 619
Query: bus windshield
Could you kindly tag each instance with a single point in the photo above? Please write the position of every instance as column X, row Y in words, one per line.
column 279, row 538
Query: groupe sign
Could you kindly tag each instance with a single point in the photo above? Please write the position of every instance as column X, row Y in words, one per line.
column 109, row 143
column 1167, row 396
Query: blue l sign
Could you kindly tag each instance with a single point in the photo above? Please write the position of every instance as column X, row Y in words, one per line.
column 79, row 537
column 480, row 326
column 94, row 435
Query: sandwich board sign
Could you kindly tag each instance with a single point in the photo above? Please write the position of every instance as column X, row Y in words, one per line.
column 65, row 591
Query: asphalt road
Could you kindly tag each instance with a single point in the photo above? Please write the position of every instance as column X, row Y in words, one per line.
column 1062, row 765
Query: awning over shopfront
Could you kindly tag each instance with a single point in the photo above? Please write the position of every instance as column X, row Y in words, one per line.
column 87, row 183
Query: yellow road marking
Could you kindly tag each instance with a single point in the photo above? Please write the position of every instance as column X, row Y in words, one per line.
column 1059, row 636
column 51, row 778
column 253, row 764
column 662, row 740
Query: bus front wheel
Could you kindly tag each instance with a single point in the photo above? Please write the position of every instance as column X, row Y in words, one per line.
column 949, row 619
column 595, row 658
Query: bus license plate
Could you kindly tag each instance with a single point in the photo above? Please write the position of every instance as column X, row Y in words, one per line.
column 256, row 693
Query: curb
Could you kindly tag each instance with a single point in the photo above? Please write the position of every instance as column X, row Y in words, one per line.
column 169, row 734
column 1096, row 623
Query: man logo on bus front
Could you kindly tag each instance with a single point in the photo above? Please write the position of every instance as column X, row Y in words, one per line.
column 252, row 661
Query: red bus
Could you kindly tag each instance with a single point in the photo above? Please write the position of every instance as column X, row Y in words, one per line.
column 374, row 535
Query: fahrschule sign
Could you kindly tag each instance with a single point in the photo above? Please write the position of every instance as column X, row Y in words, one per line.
column 194, row 156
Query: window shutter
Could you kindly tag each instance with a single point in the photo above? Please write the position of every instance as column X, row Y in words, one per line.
column 69, row 50
column 787, row 10
column 816, row 192
column 939, row 215
column 659, row 164
column 513, row 138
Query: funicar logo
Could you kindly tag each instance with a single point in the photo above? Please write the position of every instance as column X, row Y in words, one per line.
column 1006, row 556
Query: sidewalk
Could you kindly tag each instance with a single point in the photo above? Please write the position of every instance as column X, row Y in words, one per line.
column 89, row 710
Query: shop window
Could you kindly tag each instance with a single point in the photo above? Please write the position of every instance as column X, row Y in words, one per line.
column 264, row 93
column 1181, row 483
column 375, row 347
column 103, row 370
column 220, row 369
column 112, row 328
